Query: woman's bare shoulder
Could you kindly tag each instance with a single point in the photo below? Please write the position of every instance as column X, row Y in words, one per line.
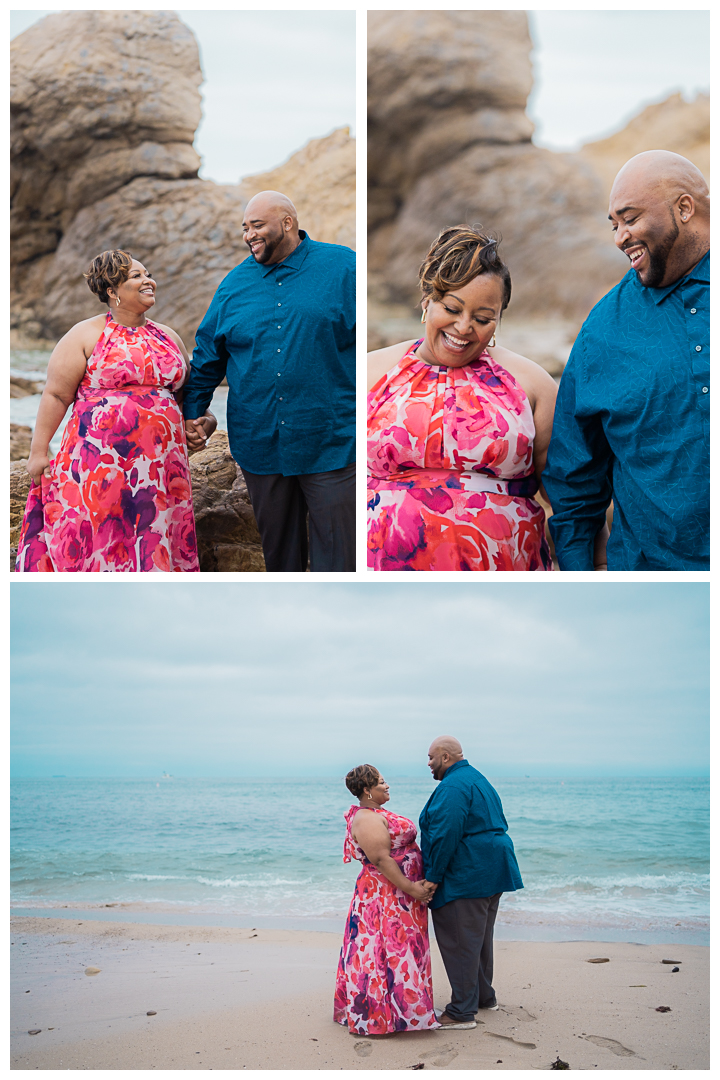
column 533, row 378
column 380, row 361
column 85, row 334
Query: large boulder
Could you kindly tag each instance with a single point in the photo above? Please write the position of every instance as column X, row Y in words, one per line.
column 20, row 440
column 19, row 487
column 105, row 105
column 228, row 537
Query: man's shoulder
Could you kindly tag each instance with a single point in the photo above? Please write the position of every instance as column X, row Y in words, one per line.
column 625, row 292
column 335, row 253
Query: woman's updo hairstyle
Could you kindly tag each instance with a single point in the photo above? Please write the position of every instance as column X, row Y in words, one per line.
column 361, row 777
column 459, row 255
column 107, row 271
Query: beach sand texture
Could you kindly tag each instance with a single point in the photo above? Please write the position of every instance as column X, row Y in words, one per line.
column 234, row 999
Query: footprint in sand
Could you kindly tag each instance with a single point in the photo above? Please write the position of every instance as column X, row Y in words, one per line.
column 443, row 1058
column 509, row 1038
column 518, row 1013
column 363, row 1049
column 610, row 1044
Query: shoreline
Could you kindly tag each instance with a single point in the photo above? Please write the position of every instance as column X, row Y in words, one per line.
column 506, row 929
column 261, row 998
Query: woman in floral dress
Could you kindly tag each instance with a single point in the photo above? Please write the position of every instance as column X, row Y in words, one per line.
column 117, row 495
column 384, row 981
column 458, row 427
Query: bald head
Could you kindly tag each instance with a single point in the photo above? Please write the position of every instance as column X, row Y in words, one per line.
column 270, row 226
column 444, row 752
column 660, row 210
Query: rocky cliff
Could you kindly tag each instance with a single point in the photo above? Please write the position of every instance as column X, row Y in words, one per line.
column 105, row 105
column 449, row 141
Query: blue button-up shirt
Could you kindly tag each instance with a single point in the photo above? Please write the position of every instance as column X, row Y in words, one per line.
column 284, row 334
column 632, row 424
column 465, row 845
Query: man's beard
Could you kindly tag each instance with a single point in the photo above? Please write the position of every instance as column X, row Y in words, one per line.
column 658, row 258
column 268, row 249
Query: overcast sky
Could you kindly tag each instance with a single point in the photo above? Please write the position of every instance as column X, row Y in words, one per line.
column 594, row 70
column 275, row 79
column 129, row 679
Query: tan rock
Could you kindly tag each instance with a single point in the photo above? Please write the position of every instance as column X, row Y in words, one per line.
column 104, row 109
column 24, row 387
column 674, row 124
column 228, row 537
column 20, row 482
column 20, row 439
column 320, row 180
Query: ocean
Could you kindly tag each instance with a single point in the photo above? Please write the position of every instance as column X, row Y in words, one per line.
column 601, row 859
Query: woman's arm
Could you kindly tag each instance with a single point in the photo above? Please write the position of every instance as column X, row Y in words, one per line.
column 66, row 368
column 373, row 837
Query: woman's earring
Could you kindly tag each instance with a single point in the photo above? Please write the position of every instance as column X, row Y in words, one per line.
column 423, row 317
column 117, row 301
column 491, row 344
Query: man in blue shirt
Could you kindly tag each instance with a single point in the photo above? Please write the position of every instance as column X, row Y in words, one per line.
column 469, row 856
column 632, row 419
column 281, row 327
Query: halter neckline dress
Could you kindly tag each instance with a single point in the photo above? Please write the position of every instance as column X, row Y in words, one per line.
column 451, row 474
column 119, row 495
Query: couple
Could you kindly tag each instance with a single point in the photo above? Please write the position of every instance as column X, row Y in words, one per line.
column 384, row 982
column 281, row 327
column 461, row 431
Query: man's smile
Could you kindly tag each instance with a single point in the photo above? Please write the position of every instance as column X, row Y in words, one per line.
column 635, row 255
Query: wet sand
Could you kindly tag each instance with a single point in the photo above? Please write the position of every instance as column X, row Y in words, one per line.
column 262, row 999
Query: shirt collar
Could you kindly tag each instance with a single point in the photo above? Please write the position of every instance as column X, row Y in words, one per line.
column 296, row 257
column 700, row 273
column 456, row 765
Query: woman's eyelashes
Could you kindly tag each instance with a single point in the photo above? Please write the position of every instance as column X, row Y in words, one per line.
column 452, row 311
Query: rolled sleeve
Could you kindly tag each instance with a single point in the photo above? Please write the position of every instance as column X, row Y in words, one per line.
column 208, row 367
column 578, row 474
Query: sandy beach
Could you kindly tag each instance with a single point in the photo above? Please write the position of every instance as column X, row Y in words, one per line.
column 261, row 999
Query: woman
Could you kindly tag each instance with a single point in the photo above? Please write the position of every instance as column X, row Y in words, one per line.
column 458, row 427
column 117, row 496
column 384, row 982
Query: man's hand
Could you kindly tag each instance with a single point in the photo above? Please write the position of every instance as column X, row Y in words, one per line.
column 197, row 432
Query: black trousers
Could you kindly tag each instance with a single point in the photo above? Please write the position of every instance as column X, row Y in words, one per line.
column 464, row 932
column 282, row 506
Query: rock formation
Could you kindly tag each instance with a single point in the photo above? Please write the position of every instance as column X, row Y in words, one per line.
column 105, row 105
column 228, row 538
column 673, row 124
column 449, row 141
column 20, row 439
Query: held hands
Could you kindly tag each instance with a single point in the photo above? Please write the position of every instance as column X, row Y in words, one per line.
column 197, row 432
column 423, row 891
column 38, row 465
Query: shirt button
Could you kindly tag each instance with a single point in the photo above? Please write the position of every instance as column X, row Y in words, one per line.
column 698, row 348
column 279, row 282
column 279, row 305
column 278, row 374
column 282, row 421
column 279, row 327
column 705, row 389
column 279, row 399
column 278, row 350
column 693, row 310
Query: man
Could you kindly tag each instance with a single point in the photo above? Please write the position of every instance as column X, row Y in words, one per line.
column 632, row 420
column 469, row 856
column 281, row 327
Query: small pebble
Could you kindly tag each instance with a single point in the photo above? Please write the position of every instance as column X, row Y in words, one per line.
column 663, row 1008
column 92, row 971
column 34, row 1031
column 599, row 960
column 558, row 1064
column 152, row 1012
column 671, row 961
column 674, row 970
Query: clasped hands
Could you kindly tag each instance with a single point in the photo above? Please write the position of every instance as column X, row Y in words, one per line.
column 426, row 890
column 198, row 431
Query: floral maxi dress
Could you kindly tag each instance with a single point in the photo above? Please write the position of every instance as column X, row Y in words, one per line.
column 451, row 475
column 119, row 497
column 384, row 981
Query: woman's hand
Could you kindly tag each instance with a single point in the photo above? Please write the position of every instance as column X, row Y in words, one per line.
column 420, row 890
column 199, row 431
column 38, row 465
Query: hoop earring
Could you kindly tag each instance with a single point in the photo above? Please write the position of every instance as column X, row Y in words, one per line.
column 423, row 317
column 491, row 344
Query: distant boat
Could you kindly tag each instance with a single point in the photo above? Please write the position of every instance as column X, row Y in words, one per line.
column 168, row 776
